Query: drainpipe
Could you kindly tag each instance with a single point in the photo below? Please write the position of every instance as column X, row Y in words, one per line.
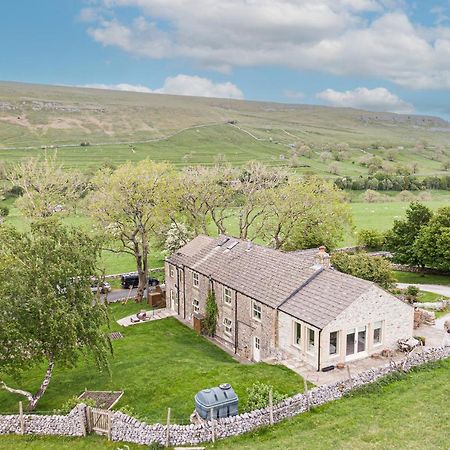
column 318, row 353
column 235, row 323
column 184, row 293
column 178, row 291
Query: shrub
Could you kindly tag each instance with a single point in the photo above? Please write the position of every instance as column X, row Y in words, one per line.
column 413, row 291
column 210, row 322
column 372, row 239
column 258, row 396
column 362, row 265
column 69, row 404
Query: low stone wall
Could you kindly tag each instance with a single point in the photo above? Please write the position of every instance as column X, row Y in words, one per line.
column 73, row 424
column 413, row 269
column 125, row 428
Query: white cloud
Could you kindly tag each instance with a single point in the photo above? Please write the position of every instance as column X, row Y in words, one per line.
column 378, row 99
column 321, row 35
column 180, row 85
column 119, row 87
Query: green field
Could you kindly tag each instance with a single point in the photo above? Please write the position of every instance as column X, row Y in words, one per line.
column 158, row 365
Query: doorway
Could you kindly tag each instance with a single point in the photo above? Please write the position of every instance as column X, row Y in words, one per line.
column 256, row 349
column 356, row 343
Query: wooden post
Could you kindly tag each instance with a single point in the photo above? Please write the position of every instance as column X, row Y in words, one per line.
column 306, row 393
column 109, row 425
column 89, row 419
column 421, row 347
column 21, row 418
column 168, row 428
column 271, row 407
column 213, row 426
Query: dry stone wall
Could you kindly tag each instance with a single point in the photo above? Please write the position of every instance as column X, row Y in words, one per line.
column 73, row 424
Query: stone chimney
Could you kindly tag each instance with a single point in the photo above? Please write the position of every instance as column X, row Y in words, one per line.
column 322, row 258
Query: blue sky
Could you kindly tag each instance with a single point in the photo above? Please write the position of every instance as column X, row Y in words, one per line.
column 374, row 54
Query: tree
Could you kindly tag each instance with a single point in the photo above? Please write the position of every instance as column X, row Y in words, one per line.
column 212, row 312
column 46, row 187
column 362, row 265
column 432, row 245
column 48, row 310
column 372, row 239
column 131, row 204
column 400, row 239
column 177, row 236
column 206, row 194
column 304, row 214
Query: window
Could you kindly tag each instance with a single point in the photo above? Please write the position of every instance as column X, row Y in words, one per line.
column 257, row 343
column 195, row 281
column 227, row 296
column 257, row 311
column 377, row 333
column 196, row 305
column 171, row 272
column 297, row 333
column 334, row 343
column 311, row 340
column 228, row 326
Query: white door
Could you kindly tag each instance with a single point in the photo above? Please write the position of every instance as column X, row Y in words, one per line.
column 356, row 343
column 173, row 300
column 256, row 349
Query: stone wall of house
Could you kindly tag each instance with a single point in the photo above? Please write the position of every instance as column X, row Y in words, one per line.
column 375, row 305
column 73, row 424
column 125, row 428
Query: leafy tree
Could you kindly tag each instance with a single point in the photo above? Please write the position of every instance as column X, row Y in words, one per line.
column 304, row 214
column 400, row 239
column 45, row 186
column 131, row 204
column 212, row 312
column 48, row 310
column 177, row 236
column 372, row 239
column 362, row 265
column 432, row 245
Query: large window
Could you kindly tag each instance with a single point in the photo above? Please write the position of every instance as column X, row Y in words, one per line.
column 227, row 295
column 195, row 280
column 257, row 311
column 377, row 333
column 228, row 326
column 311, row 340
column 196, row 305
column 334, row 343
column 297, row 333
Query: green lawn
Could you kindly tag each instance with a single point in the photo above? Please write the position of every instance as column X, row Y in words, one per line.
column 91, row 442
column 159, row 364
column 417, row 278
column 411, row 413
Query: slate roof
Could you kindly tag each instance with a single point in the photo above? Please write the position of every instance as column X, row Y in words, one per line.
column 285, row 281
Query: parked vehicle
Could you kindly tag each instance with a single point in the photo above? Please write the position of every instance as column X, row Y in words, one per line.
column 104, row 287
column 132, row 280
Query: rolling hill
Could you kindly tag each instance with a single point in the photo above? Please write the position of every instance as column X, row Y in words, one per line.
column 117, row 126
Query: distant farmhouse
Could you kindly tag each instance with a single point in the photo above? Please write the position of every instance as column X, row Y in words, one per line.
column 283, row 305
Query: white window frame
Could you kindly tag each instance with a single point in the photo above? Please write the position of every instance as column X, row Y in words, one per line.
column 227, row 326
column 256, row 308
column 196, row 305
column 171, row 271
column 338, row 344
column 294, row 334
column 309, row 350
column 381, row 328
column 195, row 280
column 227, row 295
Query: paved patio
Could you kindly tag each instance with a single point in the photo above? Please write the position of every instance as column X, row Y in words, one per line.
column 434, row 337
column 155, row 314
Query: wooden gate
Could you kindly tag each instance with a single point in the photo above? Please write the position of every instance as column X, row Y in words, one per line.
column 98, row 421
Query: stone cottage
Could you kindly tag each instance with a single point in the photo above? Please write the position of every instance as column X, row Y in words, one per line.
column 278, row 304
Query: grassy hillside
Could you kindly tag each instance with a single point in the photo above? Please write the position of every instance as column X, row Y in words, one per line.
column 191, row 129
